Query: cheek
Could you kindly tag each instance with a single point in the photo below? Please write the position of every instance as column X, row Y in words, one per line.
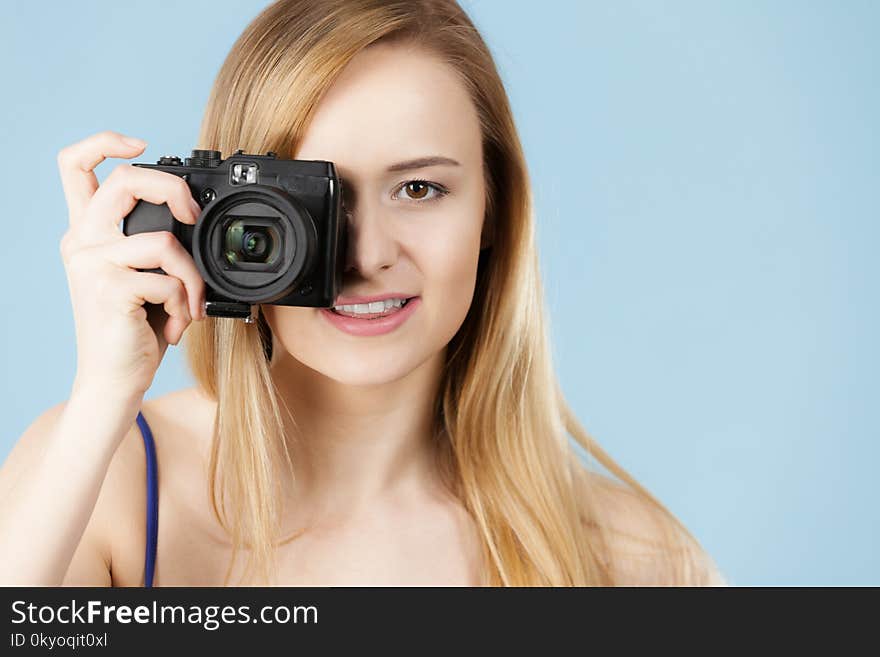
column 449, row 264
column 289, row 326
column 445, row 249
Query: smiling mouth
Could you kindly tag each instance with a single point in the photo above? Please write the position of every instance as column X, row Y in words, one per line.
column 385, row 313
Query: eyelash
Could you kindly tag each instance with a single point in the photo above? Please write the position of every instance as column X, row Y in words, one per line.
column 439, row 190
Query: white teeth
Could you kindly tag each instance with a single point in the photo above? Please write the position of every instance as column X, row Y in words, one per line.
column 371, row 308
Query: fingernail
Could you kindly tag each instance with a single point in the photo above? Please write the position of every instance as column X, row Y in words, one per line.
column 196, row 208
column 134, row 142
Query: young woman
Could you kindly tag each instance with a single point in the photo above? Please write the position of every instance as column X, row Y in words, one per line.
column 436, row 452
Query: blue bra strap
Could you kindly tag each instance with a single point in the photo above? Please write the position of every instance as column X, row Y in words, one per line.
column 152, row 500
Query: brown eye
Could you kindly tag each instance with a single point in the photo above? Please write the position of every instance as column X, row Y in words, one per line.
column 418, row 190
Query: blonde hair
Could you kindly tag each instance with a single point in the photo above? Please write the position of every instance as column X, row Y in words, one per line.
column 501, row 420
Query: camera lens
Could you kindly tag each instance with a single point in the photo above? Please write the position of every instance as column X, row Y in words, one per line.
column 250, row 243
column 255, row 244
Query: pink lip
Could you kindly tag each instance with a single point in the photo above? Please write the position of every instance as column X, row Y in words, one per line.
column 366, row 327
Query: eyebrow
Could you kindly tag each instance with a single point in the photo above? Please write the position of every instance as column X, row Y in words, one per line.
column 422, row 162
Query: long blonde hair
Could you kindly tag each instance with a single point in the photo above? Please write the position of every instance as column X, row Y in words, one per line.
column 501, row 421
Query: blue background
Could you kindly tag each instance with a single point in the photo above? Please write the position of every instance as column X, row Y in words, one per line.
column 706, row 177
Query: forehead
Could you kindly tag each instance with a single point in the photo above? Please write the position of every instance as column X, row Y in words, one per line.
column 393, row 102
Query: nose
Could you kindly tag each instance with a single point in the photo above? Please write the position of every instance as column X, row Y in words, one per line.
column 370, row 246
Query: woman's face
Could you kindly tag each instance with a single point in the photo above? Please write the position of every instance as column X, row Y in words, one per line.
column 394, row 104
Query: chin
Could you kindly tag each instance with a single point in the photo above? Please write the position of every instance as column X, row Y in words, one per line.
column 368, row 369
column 362, row 361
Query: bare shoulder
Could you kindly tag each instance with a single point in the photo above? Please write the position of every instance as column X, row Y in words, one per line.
column 126, row 476
column 33, row 442
column 117, row 527
column 646, row 547
column 111, row 548
column 181, row 403
column 177, row 422
column 93, row 562
column 181, row 423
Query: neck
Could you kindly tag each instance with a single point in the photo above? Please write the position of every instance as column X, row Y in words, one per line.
column 356, row 446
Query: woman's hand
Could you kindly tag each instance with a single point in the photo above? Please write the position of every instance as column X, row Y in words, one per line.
column 119, row 347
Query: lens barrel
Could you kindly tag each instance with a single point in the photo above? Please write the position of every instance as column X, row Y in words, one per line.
column 255, row 244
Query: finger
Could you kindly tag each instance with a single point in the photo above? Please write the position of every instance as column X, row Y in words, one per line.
column 126, row 185
column 76, row 164
column 161, row 249
column 166, row 291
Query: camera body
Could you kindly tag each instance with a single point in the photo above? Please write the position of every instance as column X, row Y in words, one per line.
column 270, row 231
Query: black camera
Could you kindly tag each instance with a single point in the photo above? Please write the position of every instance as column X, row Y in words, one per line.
column 270, row 231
